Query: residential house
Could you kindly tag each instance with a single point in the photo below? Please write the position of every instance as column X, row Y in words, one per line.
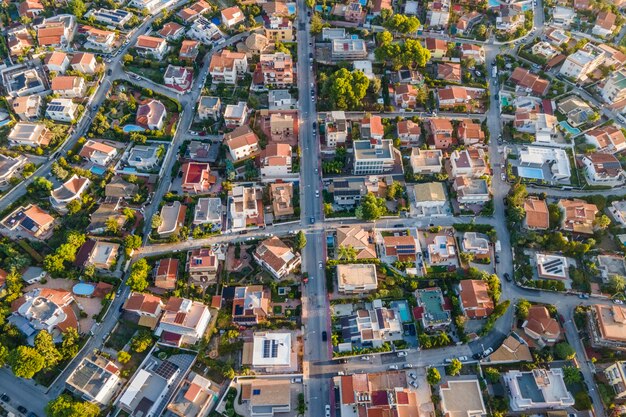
column 178, row 78
column 336, row 128
column 183, row 322
column 189, row 50
column 209, row 210
column 206, row 32
column 372, row 128
column 471, row 190
column 276, row 257
column 608, row 139
column 57, row 31
column 144, row 158
column 276, row 161
column 510, row 18
column 578, row 216
column 31, row 220
column 552, row 164
column 582, row 62
column 438, row 14
column 150, row 6
column 209, row 107
column 462, row 398
column 371, row 327
column 20, row 81
column 603, row 169
column 544, row 50
column 282, row 126
column 251, row 305
column 542, row 125
column 405, row 96
column 529, row 82
column 467, row 21
column 476, row 244
column 194, row 398
column 96, row 379
column 348, row 49
column 453, row 96
column 375, row 156
column 551, row 266
column 271, row 352
column 102, row 40
column 356, row 278
column 471, row 162
column 409, row 133
column 430, row 198
column 563, row 16
column 473, row 51
column 282, row 199
column 614, row 89
column 441, row 133
column 195, row 11
column 151, row 46
column 438, row 47
column 172, row 31
column 118, row 188
column 426, row 162
column 151, row 115
column 70, row 190
column 242, row 143
column 62, row 110
column 146, row 306
column 357, row 238
column 245, row 207
column 197, row 178
column 202, row 266
column 98, row 253
column 277, row 70
column 449, row 71
column 470, row 133
column 30, row 8
column 57, row 61
column 615, row 375
column 232, row 16
column 278, row 29
column 201, row 151
column 27, row 108
column 28, row 134
column 9, row 168
column 84, row 62
column 280, row 100
column 538, row 389
column 537, row 214
column 172, row 219
column 108, row 211
column 235, row 115
column 110, row 17
column 540, row 327
column 402, row 248
column 68, row 86
column 577, row 111
column 475, row 300
column 607, row 324
column 19, row 40
column 99, row 153
column 605, row 24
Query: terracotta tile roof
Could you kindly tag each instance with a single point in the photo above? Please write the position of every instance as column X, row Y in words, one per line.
column 375, row 123
column 606, row 20
column 92, row 146
column 271, row 251
column 607, row 136
column 441, row 124
column 55, row 58
column 449, row 71
column 149, row 42
column 170, row 29
column 83, row 58
column 240, row 137
column 540, row 322
column 408, row 127
column 475, row 298
column 143, row 303
column 39, row 216
column 166, row 273
column 225, row 59
column 230, row 12
column 64, row 82
column 50, row 34
column 433, row 44
column 537, row 215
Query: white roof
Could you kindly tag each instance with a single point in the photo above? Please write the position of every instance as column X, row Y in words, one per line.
column 271, row 349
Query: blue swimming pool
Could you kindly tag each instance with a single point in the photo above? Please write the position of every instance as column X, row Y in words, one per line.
column 569, row 128
column 97, row 170
column 494, row 3
column 530, row 172
column 403, row 309
column 5, row 122
column 132, row 128
column 291, row 8
column 83, row 289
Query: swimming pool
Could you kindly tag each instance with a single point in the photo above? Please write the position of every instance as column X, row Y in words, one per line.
column 5, row 122
column 403, row 309
column 526, row 7
column 132, row 128
column 505, row 101
column 83, row 289
column 530, row 172
column 291, row 8
column 494, row 3
column 97, row 170
column 570, row 129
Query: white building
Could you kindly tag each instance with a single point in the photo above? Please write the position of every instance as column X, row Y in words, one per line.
column 143, row 157
column 356, row 278
column 582, row 62
column 603, row 169
column 70, row 190
column 336, row 128
column 563, row 16
column 430, row 198
column 272, row 350
column 95, row 379
column 614, row 89
column 209, row 210
column 553, row 162
column 537, row 389
column 62, row 110
column 373, row 156
column 183, row 322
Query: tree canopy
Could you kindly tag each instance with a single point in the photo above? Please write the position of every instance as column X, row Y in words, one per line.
column 564, row 351
column 402, row 23
column 371, row 208
column 138, row 278
column 25, row 362
column 433, row 376
column 409, row 53
column 346, row 89
column 454, row 368
column 65, row 406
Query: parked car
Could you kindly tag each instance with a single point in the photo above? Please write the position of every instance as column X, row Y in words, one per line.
column 407, row 366
column 324, row 336
column 488, row 352
column 22, row 409
column 296, row 380
column 327, row 409
column 393, row 367
column 507, row 277
column 401, row 354
column 618, row 301
column 365, row 358
column 5, row 398
column 463, row 358
column 320, row 265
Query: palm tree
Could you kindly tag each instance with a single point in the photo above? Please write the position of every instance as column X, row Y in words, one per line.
column 348, row 253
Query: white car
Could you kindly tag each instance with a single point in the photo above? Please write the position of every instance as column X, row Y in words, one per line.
column 393, row 367
column 327, row 410
column 365, row 358
column 320, row 265
column 503, row 176
column 401, row 354
column 617, row 301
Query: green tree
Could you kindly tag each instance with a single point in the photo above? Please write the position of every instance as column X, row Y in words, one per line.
column 138, row 278
column 44, row 344
column 317, row 24
column 617, row 283
column 454, row 368
column 4, row 355
column 74, row 206
column 131, row 242
column 347, row 253
column 564, row 351
column 466, row 257
column 345, row 89
column 156, row 221
column 402, row 23
column 481, row 30
column 384, row 38
column 492, row 375
column 602, row 222
column 65, row 406
column 123, row 357
column 112, row 226
column 571, row 375
column 523, row 306
column 77, row 8
column 142, row 341
column 41, row 184
column 299, row 241
column 433, row 376
column 372, row 207
column 395, row 190
column 555, row 215
column 25, row 362
column 70, row 343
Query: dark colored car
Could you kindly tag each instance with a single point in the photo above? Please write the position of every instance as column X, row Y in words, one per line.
column 324, row 336
column 5, row 398
column 507, row 277
column 22, row 409
column 109, row 71
column 312, row 220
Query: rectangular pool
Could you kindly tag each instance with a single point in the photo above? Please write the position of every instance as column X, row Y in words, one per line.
column 403, row 309
column 530, row 172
